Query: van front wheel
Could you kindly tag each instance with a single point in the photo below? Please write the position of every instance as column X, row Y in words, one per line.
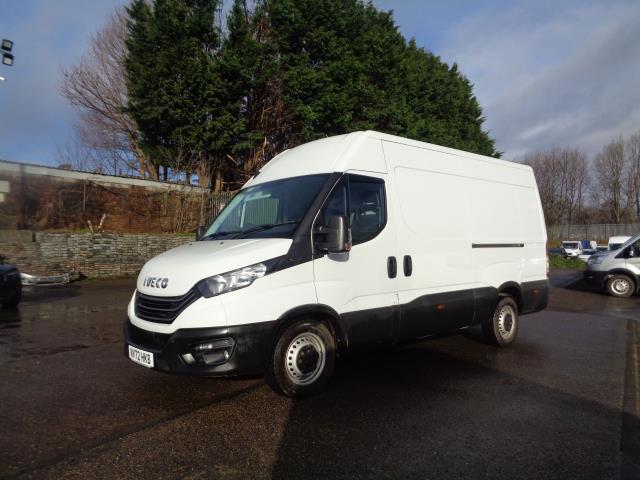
column 502, row 328
column 620, row 285
column 303, row 359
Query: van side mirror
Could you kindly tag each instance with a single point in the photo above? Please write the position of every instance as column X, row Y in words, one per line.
column 200, row 232
column 631, row 252
column 334, row 237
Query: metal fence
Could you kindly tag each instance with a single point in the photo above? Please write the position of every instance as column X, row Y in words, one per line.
column 597, row 231
column 214, row 203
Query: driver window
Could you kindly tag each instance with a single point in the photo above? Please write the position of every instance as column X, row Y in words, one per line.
column 362, row 201
column 367, row 215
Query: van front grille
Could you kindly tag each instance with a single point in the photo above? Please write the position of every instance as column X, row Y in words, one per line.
column 163, row 309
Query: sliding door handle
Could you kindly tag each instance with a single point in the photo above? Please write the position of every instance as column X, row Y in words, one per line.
column 407, row 265
column 392, row 267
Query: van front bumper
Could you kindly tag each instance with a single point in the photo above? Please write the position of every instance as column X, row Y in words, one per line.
column 595, row 277
column 249, row 348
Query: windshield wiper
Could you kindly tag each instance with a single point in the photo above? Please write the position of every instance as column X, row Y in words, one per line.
column 217, row 234
column 268, row 226
column 242, row 233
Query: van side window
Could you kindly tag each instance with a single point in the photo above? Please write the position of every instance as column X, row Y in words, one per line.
column 367, row 213
column 360, row 199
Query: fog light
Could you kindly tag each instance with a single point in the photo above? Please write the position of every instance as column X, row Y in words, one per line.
column 188, row 359
column 215, row 345
column 216, row 357
column 213, row 352
column 204, row 347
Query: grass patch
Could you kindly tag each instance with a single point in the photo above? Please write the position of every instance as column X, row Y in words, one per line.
column 559, row 262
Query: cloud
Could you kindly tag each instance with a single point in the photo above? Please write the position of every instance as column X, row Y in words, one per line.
column 34, row 118
column 545, row 72
column 552, row 75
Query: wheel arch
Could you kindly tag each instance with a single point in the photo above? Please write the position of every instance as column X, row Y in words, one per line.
column 512, row 289
column 318, row 312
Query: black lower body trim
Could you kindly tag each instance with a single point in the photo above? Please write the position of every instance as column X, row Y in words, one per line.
column 436, row 313
column 251, row 353
column 535, row 296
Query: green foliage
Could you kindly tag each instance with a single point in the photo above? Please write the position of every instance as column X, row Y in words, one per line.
column 442, row 107
column 560, row 262
column 176, row 93
column 286, row 72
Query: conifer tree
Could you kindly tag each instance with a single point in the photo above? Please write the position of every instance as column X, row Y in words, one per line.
column 285, row 72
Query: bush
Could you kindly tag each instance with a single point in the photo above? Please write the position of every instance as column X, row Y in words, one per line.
column 558, row 261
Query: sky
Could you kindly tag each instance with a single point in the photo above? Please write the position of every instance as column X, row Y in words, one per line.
column 546, row 73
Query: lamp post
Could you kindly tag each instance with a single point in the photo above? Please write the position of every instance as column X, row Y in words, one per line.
column 7, row 57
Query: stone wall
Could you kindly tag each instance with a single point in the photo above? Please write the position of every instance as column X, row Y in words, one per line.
column 98, row 255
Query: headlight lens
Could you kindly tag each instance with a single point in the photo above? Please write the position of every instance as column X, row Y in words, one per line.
column 227, row 282
column 595, row 259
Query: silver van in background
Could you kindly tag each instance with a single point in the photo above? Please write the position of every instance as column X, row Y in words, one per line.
column 617, row 271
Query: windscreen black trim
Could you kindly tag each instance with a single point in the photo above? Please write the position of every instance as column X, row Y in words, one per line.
column 497, row 245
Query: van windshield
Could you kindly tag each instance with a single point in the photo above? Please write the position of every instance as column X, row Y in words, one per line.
column 570, row 244
column 267, row 210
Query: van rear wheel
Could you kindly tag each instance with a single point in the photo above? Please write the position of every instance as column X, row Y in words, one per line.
column 502, row 328
column 620, row 286
column 303, row 359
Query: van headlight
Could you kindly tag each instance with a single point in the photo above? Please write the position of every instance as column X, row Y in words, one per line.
column 595, row 259
column 227, row 282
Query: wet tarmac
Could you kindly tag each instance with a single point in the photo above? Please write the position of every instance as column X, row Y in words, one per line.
column 561, row 403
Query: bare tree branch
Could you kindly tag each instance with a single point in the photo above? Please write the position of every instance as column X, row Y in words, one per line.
column 96, row 86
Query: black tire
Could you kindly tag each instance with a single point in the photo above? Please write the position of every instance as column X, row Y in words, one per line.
column 502, row 328
column 620, row 286
column 13, row 301
column 303, row 359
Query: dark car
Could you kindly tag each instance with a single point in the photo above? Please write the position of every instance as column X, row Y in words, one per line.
column 10, row 286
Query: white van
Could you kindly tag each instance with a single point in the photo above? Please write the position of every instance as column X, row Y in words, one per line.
column 342, row 244
column 571, row 248
column 616, row 242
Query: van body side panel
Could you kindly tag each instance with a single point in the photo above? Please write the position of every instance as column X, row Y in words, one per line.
column 470, row 225
column 433, row 230
column 271, row 296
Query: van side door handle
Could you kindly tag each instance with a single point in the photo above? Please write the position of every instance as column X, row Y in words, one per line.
column 407, row 265
column 392, row 267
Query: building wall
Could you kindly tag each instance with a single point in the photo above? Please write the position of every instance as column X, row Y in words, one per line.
column 45, row 198
column 93, row 255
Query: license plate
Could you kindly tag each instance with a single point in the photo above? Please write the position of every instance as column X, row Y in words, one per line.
column 141, row 357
